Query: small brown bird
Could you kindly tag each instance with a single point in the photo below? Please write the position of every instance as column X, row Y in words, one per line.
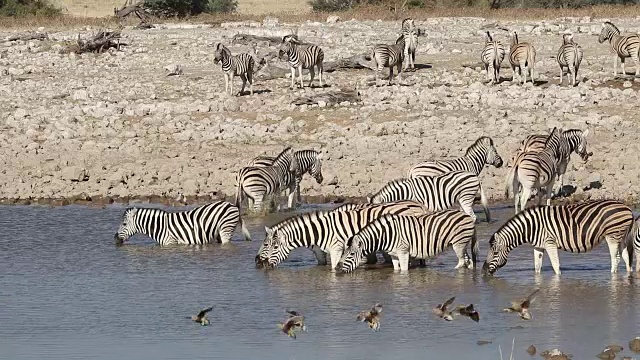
column 372, row 316
column 634, row 345
column 483, row 342
column 607, row 354
column 522, row 306
column 531, row 350
column 614, row 347
column 202, row 317
column 294, row 322
column 469, row 311
column 441, row 310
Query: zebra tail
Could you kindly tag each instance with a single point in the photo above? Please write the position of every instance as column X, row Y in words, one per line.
column 495, row 57
column 245, row 231
column 483, row 201
column 238, row 193
column 475, row 249
column 633, row 229
column 509, row 181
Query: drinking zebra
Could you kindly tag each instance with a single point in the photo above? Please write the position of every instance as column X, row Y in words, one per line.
column 256, row 182
column 492, row 56
column 481, row 152
column 327, row 231
column 304, row 162
column 201, row 225
column 410, row 36
column 385, row 55
column 569, row 57
column 576, row 228
column 421, row 237
column 240, row 65
column 534, row 168
column 436, row 192
column 523, row 57
column 302, row 56
column 623, row 46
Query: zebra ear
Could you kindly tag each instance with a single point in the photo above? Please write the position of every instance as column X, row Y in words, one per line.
column 268, row 230
column 368, row 199
column 319, row 155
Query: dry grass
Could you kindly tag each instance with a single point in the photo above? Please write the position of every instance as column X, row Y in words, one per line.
column 360, row 13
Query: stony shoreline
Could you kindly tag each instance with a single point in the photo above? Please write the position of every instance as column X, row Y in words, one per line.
column 113, row 126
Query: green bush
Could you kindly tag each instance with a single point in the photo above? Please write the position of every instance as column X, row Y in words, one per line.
column 331, row 5
column 222, row 6
column 180, row 8
column 28, row 7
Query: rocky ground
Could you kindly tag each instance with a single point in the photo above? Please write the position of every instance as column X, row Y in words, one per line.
column 114, row 125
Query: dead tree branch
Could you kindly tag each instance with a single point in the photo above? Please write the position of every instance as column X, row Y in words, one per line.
column 28, row 36
column 101, row 42
column 275, row 70
column 332, row 98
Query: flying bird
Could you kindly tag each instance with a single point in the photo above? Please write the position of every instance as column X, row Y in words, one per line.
column 522, row 306
column 441, row 310
column 372, row 316
column 468, row 311
column 202, row 317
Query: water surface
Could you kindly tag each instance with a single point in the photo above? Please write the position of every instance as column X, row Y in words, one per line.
column 66, row 292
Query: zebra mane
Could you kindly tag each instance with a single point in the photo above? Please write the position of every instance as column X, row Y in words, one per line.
column 478, row 142
column 282, row 154
column 554, row 134
column 514, row 38
column 609, row 23
column 294, row 219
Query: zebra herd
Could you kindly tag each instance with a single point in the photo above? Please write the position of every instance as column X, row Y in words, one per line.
column 412, row 217
column 402, row 55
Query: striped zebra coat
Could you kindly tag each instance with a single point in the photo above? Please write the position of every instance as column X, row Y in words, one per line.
column 575, row 140
column 421, row 237
column 436, row 192
column 569, row 58
column 240, row 65
column 327, row 231
column 410, row 36
column 201, row 225
column 302, row 56
column 492, row 56
column 576, row 228
column 623, row 46
column 257, row 182
column 304, row 162
column 482, row 152
column 634, row 242
column 523, row 57
column 384, row 55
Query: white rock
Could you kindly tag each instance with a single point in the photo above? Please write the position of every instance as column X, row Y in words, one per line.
column 332, row 19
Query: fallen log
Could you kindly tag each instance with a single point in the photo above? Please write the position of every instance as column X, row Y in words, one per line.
column 101, row 42
column 247, row 39
column 28, row 36
column 271, row 71
column 332, row 98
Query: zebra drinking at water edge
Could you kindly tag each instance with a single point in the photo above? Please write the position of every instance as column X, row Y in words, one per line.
column 301, row 56
column 240, row 65
column 576, row 228
column 623, row 46
column 569, row 57
column 421, row 237
column 492, row 56
column 201, row 225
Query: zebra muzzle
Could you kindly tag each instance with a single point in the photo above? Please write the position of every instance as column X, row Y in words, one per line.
column 119, row 241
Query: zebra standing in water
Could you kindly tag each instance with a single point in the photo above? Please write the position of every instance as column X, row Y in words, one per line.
column 623, row 46
column 302, row 56
column 576, row 141
column 481, row 152
column 576, row 228
column 569, row 57
column 384, row 55
column 492, row 55
column 436, row 192
column 201, row 225
column 523, row 57
column 304, row 161
column 410, row 36
column 327, row 231
column 257, row 182
column 421, row 237
column 634, row 241
column 240, row 65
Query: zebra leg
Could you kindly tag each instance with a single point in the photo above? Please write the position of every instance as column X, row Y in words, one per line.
column 636, row 61
column 403, row 258
column 335, row 255
column 300, row 73
column 293, row 77
column 624, row 252
column 321, row 256
column 320, row 71
column 538, row 253
column 312, row 74
column 387, row 258
column 624, row 72
column 524, row 197
column 467, row 208
column 614, row 245
column 399, row 74
column 524, row 70
column 552, row 253
column 372, row 259
column 396, row 262
column 461, row 250
column 250, row 79
column 561, row 75
column 615, row 65
column 244, row 83
column 390, row 74
column 226, row 82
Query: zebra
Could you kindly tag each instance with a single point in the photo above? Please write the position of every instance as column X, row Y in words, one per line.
column 410, row 36
column 492, row 56
column 257, row 182
column 523, row 57
column 623, row 46
column 481, row 152
column 436, row 192
column 573, row 140
column 302, row 56
column 327, row 231
column 240, row 65
column 569, row 57
column 576, row 228
column 414, row 236
column 634, row 242
column 201, row 225
column 304, row 162
column 385, row 55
